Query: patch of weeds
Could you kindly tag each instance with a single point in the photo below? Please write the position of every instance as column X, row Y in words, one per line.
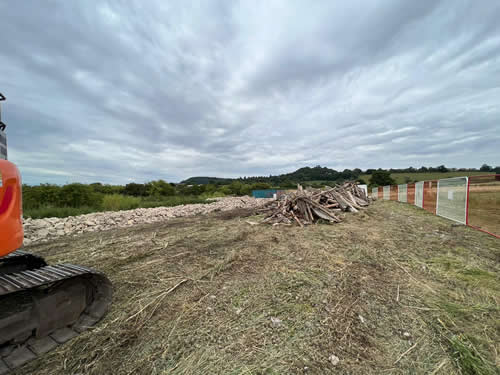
column 447, row 263
column 478, row 276
column 456, row 310
column 468, row 359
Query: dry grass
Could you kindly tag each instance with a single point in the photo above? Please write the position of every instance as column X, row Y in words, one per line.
column 390, row 290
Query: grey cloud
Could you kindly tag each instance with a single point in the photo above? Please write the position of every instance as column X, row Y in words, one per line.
column 111, row 91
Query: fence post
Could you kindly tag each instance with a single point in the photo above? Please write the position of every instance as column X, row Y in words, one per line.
column 437, row 199
column 467, row 203
column 423, row 195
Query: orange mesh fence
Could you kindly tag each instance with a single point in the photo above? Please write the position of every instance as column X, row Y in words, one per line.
column 394, row 192
column 474, row 200
column 410, row 193
column 430, row 196
column 484, row 203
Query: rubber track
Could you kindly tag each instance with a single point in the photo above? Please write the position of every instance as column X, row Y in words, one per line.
column 35, row 278
column 21, row 258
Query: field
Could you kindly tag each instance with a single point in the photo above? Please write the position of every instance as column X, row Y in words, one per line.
column 391, row 290
column 400, row 178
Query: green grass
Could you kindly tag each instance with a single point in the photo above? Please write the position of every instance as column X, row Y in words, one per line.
column 171, row 201
column 51, row 211
column 400, row 178
column 117, row 202
column 468, row 359
column 113, row 202
column 390, row 290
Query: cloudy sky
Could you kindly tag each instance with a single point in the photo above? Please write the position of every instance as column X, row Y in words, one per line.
column 119, row 91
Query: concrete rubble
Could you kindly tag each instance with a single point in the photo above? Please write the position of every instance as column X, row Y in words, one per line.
column 41, row 230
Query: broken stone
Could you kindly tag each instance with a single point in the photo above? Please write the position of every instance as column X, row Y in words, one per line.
column 334, row 360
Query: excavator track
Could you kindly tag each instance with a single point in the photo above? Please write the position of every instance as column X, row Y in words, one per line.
column 20, row 261
column 42, row 307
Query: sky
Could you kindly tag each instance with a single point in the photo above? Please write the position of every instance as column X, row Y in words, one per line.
column 121, row 91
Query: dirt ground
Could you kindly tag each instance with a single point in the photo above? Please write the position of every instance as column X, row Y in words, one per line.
column 392, row 290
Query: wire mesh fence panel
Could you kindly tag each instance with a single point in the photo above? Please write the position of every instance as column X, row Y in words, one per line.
column 394, row 192
column 387, row 193
column 380, row 192
column 419, row 194
column 430, row 196
column 452, row 199
column 410, row 193
column 375, row 192
column 402, row 193
column 484, row 203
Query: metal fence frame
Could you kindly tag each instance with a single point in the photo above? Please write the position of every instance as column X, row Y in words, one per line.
column 419, row 194
column 426, row 195
column 466, row 199
column 387, row 192
column 402, row 193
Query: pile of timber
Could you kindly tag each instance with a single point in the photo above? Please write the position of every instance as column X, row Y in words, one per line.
column 308, row 206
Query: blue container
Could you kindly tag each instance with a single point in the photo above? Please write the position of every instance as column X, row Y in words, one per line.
column 267, row 193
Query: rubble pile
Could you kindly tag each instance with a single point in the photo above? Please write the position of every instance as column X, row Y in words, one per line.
column 40, row 230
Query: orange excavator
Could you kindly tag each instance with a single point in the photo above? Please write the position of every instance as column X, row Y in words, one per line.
column 41, row 306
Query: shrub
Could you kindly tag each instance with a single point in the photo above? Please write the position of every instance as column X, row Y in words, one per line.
column 41, row 195
column 116, row 202
column 215, row 194
column 160, row 188
column 381, row 178
column 77, row 195
column 136, row 190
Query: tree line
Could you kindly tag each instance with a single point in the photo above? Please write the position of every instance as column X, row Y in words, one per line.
column 319, row 173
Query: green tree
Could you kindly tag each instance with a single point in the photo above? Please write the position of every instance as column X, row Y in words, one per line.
column 485, row 168
column 381, row 178
column 159, row 188
column 78, row 195
column 236, row 188
column 361, row 181
column 261, row 186
column 136, row 190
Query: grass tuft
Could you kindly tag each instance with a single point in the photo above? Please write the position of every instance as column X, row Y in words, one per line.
column 468, row 359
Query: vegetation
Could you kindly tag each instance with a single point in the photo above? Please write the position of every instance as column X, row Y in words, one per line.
column 47, row 200
column 381, row 178
column 390, row 290
column 323, row 175
column 405, row 177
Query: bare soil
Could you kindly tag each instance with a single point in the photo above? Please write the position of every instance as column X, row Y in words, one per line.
column 392, row 290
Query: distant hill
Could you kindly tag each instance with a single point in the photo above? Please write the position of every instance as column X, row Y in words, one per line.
column 317, row 173
column 207, row 180
column 321, row 174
